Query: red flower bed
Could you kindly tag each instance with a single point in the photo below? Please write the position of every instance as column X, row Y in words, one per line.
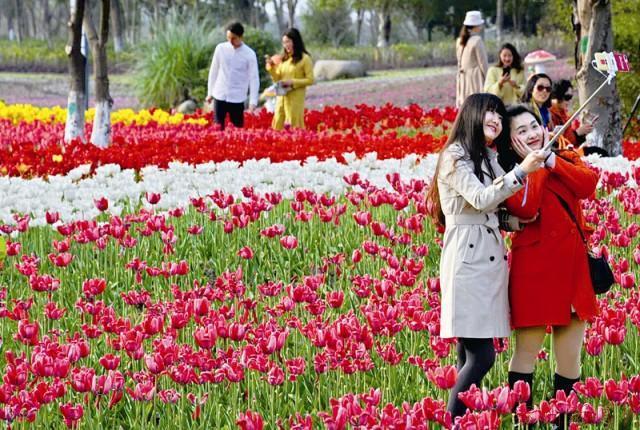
column 36, row 149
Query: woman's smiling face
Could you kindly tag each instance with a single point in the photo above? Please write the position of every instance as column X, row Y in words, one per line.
column 506, row 57
column 492, row 126
column 541, row 91
column 526, row 128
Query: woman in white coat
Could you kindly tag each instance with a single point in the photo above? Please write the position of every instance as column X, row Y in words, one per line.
column 472, row 58
column 467, row 189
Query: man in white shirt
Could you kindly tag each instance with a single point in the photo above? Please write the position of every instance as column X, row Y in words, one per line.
column 234, row 70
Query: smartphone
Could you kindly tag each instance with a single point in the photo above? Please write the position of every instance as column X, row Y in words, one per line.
column 506, row 71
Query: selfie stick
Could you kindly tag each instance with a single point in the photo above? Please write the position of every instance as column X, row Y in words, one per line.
column 610, row 76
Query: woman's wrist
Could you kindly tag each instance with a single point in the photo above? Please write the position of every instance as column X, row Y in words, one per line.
column 520, row 173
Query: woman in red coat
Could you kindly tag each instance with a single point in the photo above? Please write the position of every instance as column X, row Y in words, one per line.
column 549, row 282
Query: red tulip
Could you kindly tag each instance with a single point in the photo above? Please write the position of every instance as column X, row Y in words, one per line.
column 61, row 260
column 52, row 217
column 275, row 376
column 628, row 280
column 206, row 337
column 616, row 392
column 250, row 421
column 110, row 361
column 195, row 230
column 102, row 204
column 443, row 377
column 93, row 287
column 153, row 198
column 72, row 414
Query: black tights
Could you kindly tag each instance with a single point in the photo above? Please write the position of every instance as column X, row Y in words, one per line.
column 475, row 359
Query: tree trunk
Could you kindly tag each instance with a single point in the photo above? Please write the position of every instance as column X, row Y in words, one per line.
column 32, row 18
column 47, row 17
column 359, row 21
column 595, row 35
column 384, row 34
column 514, row 16
column 278, row 6
column 291, row 9
column 101, row 132
column 499, row 18
column 118, row 26
column 17, row 8
column 76, row 101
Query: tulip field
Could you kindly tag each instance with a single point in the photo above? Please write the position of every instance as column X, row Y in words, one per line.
column 190, row 278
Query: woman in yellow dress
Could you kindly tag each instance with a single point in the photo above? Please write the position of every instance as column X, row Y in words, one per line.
column 506, row 78
column 294, row 71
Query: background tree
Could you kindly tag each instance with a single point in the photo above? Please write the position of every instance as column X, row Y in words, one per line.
column 117, row 20
column 593, row 30
column 328, row 22
column 74, row 127
column 101, row 132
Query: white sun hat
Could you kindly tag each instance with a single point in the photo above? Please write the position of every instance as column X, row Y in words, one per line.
column 473, row 18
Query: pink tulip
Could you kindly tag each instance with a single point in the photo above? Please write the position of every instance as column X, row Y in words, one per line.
column 289, row 242
column 589, row 415
column 246, row 253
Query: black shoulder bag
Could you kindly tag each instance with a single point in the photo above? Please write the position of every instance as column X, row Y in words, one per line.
column 601, row 274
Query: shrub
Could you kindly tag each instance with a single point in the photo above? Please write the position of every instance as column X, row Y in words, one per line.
column 179, row 59
column 171, row 64
column 37, row 56
column 437, row 53
column 263, row 43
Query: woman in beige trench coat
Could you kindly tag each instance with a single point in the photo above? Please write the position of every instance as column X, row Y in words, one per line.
column 467, row 189
column 472, row 58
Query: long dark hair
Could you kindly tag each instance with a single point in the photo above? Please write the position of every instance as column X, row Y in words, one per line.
column 507, row 156
column 517, row 60
column 531, row 83
column 298, row 45
column 465, row 34
column 468, row 131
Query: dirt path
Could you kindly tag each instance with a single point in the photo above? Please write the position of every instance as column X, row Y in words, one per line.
column 429, row 87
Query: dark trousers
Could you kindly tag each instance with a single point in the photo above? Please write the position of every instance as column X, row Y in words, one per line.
column 235, row 111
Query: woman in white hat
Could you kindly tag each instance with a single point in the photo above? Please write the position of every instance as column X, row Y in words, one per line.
column 472, row 57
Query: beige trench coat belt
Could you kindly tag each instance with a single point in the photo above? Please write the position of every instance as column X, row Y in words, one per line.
column 489, row 220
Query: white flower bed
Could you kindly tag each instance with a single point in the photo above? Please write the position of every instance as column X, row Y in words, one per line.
column 73, row 195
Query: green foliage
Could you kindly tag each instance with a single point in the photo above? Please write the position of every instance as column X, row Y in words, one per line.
column 33, row 55
column 263, row 44
column 328, row 22
column 172, row 63
column 437, row 53
column 626, row 38
column 178, row 60
column 557, row 16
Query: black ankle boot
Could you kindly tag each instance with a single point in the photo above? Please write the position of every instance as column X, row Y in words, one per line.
column 566, row 385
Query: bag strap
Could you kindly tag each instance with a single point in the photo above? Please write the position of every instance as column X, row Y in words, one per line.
column 572, row 216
